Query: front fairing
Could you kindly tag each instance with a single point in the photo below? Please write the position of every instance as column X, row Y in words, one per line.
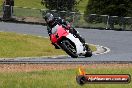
column 57, row 33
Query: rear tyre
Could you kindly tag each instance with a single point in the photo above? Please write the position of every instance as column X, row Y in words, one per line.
column 89, row 51
column 69, row 48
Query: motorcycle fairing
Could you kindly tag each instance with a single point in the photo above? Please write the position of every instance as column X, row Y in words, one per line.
column 58, row 32
column 78, row 44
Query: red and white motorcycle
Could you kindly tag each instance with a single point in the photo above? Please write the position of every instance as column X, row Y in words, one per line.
column 68, row 42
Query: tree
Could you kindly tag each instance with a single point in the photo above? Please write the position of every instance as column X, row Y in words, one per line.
column 109, row 7
column 60, row 5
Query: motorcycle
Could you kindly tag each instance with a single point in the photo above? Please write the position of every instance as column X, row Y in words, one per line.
column 62, row 38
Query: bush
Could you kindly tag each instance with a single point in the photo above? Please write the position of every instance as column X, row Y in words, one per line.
column 109, row 7
column 60, row 5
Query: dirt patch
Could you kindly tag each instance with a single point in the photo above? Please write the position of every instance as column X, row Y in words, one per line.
column 40, row 67
column 31, row 19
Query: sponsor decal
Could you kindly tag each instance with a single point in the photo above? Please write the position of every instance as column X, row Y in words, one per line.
column 84, row 78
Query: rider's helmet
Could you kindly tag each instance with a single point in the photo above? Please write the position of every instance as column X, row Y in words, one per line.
column 49, row 18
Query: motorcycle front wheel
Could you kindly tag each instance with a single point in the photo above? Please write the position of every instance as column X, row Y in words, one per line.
column 69, row 48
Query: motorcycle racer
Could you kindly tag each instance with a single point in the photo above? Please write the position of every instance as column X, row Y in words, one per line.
column 51, row 21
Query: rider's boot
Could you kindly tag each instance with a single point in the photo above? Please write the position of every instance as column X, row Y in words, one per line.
column 77, row 35
column 82, row 40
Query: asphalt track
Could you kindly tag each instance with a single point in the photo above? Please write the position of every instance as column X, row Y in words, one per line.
column 119, row 43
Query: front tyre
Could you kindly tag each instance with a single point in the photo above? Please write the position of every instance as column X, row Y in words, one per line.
column 69, row 48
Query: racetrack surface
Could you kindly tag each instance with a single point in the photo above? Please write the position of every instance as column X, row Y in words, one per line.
column 119, row 42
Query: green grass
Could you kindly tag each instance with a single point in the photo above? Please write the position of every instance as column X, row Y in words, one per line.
column 27, row 3
column 82, row 5
column 24, row 12
column 20, row 12
column 58, row 78
column 92, row 47
column 17, row 45
column 36, row 4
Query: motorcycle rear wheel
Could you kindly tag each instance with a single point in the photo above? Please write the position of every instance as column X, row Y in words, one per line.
column 89, row 51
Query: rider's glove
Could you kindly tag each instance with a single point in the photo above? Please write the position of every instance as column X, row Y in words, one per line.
column 66, row 27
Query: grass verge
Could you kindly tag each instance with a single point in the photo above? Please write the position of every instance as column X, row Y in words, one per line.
column 37, row 4
column 57, row 78
column 17, row 45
